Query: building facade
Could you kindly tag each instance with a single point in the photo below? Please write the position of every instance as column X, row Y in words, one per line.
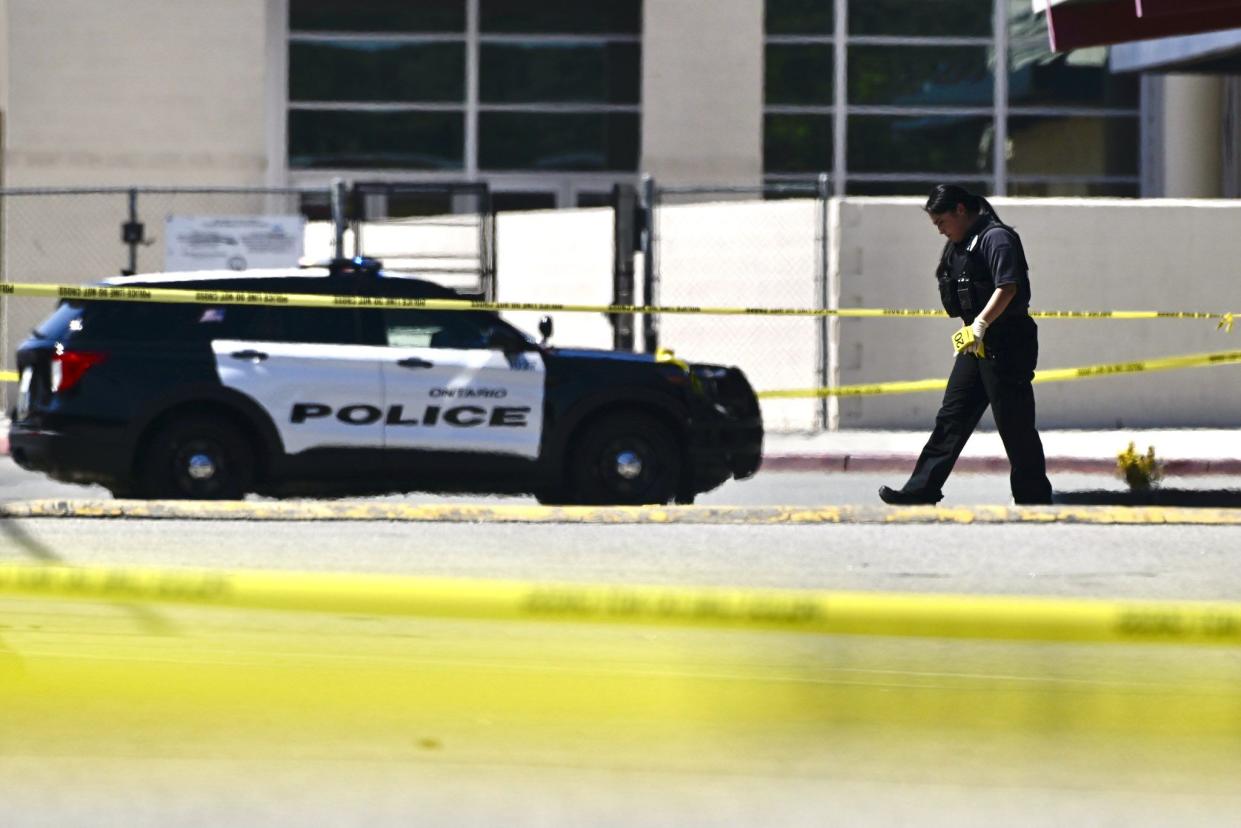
column 551, row 102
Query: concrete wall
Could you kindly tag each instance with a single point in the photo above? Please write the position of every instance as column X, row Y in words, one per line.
column 702, row 108
column 560, row 256
column 145, row 91
column 1084, row 255
column 1193, row 107
column 4, row 58
column 168, row 92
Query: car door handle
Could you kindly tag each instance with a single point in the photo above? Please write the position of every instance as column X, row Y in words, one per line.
column 415, row 362
column 251, row 355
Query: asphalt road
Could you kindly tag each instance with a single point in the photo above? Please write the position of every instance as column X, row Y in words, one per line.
column 607, row 726
column 1181, row 562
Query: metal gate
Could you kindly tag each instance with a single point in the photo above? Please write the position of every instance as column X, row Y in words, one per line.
column 758, row 246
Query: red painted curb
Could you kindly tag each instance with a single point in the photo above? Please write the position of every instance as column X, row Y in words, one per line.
column 976, row 465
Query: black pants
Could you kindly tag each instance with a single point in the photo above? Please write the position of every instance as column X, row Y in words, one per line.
column 1001, row 380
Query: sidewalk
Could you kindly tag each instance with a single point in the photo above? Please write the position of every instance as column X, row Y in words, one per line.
column 1183, row 452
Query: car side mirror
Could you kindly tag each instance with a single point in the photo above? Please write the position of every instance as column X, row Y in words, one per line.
column 545, row 329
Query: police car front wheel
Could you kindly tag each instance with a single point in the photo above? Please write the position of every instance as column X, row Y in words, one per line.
column 627, row 459
column 197, row 459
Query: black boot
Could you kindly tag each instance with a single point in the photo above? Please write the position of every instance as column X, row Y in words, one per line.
column 900, row 497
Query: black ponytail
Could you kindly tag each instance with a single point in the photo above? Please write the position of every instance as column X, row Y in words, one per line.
column 945, row 198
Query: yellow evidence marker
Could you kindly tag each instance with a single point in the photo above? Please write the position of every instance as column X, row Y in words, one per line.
column 965, row 337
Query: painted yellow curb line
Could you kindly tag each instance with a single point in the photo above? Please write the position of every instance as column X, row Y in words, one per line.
column 614, row 515
column 921, row 616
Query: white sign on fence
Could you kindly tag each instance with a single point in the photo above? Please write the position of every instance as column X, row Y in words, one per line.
column 232, row 242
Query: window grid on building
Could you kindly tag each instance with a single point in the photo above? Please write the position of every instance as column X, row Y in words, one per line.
column 882, row 110
column 537, row 98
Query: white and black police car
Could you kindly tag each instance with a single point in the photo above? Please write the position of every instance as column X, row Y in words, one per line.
column 203, row 401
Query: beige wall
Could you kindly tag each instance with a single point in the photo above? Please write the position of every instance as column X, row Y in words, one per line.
column 166, row 92
column 702, row 108
column 559, row 256
column 4, row 56
column 145, row 91
column 1084, row 255
column 1192, row 133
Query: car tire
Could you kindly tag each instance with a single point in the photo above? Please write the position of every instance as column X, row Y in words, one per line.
column 551, row 497
column 627, row 459
column 197, row 459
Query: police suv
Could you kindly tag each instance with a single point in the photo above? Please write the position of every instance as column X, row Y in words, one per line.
column 210, row 401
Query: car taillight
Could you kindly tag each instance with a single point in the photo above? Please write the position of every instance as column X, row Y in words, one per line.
column 69, row 366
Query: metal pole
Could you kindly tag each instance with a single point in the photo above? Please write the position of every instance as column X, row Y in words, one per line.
column 472, row 49
column 1000, row 132
column 488, row 240
column 840, row 118
column 338, row 216
column 824, row 343
column 650, row 278
column 625, row 230
column 134, row 239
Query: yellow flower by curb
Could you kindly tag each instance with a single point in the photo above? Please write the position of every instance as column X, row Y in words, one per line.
column 1140, row 471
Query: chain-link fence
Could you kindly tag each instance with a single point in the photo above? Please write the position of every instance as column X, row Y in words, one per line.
column 443, row 231
column 753, row 246
column 83, row 235
column 762, row 246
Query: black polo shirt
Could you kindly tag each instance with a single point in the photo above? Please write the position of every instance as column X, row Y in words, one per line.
column 1001, row 251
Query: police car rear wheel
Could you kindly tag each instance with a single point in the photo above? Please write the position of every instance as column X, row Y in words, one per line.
column 197, row 459
column 626, row 459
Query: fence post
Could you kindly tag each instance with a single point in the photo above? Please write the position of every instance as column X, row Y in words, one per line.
column 626, row 226
column 650, row 278
column 823, row 355
column 488, row 253
column 132, row 233
column 339, row 219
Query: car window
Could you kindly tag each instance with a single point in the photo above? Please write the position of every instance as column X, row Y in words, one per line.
column 118, row 321
column 438, row 329
column 273, row 324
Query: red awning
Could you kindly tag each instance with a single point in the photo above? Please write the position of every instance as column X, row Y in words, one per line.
column 1074, row 24
column 1156, row 8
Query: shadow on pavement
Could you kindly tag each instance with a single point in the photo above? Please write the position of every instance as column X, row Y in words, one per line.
column 1205, row 498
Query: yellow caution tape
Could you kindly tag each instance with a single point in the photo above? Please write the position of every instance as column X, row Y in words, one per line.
column 919, row 616
column 1049, row 375
column 121, row 682
column 211, row 297
column 8, row 376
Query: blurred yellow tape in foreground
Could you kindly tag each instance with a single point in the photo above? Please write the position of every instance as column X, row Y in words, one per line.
column 932, row 616
column 1049, row 375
